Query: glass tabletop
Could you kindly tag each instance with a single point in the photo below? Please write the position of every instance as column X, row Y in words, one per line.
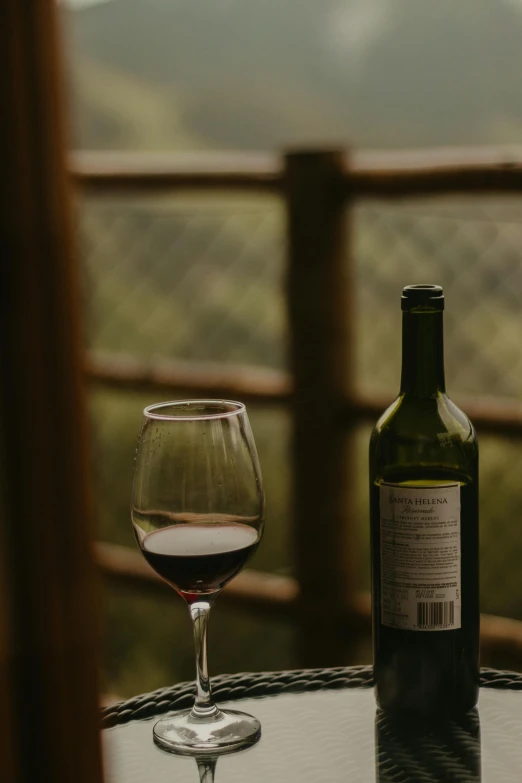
column 337, row 736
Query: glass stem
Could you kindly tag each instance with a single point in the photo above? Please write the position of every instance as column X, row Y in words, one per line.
column 206, row 769
column 204, row 706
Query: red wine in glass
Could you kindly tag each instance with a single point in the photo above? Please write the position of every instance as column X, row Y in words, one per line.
column 199, row 558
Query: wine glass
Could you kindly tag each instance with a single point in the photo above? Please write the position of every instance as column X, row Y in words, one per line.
column 198, row 516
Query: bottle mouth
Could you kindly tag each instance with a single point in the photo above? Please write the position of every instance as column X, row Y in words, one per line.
column 424, row 297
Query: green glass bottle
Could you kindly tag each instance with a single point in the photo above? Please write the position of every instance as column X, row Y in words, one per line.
column 424, row 530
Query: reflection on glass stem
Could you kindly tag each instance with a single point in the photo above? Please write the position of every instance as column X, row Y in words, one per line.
column 435, row 751
column 206, row 768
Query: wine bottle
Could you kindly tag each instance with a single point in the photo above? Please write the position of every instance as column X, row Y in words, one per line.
column 424, row 530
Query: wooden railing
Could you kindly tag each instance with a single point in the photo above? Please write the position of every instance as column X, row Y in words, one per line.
column 318, row 188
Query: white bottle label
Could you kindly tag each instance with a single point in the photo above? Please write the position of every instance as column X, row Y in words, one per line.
column 420, row 557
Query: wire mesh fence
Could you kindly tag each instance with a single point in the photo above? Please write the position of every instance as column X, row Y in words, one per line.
column 170, row 278
column 474, row 250
column 201, row 281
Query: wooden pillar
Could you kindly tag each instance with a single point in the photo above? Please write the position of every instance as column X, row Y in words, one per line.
column 318, row 298
column 8, row 747
column 49, row 636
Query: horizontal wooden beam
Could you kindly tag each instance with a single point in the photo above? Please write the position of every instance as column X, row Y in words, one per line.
column 457, row 180
column 279, row 596
column 488, row 416
column 501, row 637
column 269, row 387
column 206, row 380
column 375, row 174
column 138, row 171
column 436, row 172
column 250, row 588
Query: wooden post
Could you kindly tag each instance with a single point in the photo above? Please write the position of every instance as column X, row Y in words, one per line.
column 49, row 644
column 318, row 298
column 8, row 747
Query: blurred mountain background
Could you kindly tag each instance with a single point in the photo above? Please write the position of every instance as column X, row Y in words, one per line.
column 242, row 74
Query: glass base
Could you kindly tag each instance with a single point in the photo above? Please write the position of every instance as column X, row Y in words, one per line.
column 221, row 732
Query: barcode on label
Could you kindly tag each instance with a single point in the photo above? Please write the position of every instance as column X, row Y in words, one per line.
column 432, row 614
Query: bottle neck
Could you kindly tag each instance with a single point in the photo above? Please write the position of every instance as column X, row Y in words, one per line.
column 422, row 354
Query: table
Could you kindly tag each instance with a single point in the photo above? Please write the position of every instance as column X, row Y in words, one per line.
column 322, row 725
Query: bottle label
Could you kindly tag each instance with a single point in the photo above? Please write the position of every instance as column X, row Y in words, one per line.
column 420, row 557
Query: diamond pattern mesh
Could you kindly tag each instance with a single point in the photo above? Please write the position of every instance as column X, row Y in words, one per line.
column 171, row 279
column 474, row 250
